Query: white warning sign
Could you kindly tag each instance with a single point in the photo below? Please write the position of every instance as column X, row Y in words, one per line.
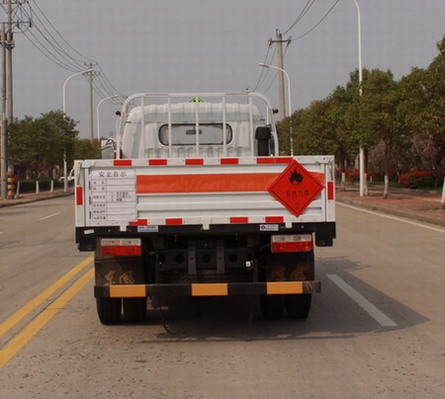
column 113, row 195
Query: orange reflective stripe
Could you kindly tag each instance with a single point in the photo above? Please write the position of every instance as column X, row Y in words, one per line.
column 210, row 290
column 285, row 287
column 210, row 183
column 127, row 291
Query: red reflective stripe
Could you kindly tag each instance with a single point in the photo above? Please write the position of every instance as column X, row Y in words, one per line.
column 274, row 160
column 274, row 219
column 122, row 250
column 229, row 161
column 284, row 160
column 239, row 220
column 122, row 162
column 79, row 195
column 330, row 191
column 265, row 160
column 302, row 246
column 139, row 222
column 155, row 162
column 170, row 222
column 194, row 161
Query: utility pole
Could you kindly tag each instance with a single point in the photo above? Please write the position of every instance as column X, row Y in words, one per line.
column 4, row 162
column 91, row 74
column 10, row 46
column 13, row 19
column 282, row 103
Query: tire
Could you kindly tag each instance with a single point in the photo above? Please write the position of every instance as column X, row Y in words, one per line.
column 272, row 306
column 135, row 310
column 109, row 310
column 298, row 306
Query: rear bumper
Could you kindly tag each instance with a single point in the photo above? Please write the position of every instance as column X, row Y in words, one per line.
column 325, row 232
column 208, row 290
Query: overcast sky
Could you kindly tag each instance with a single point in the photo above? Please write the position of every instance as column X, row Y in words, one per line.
column 214, row 45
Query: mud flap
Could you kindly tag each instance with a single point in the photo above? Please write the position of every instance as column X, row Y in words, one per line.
column 118, row 270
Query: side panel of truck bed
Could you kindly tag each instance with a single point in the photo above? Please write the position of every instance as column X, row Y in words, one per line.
column 213, row 191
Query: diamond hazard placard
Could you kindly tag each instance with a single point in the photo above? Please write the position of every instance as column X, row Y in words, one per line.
column 295, row 188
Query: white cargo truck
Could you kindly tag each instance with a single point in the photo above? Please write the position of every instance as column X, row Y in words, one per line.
column 198, row 202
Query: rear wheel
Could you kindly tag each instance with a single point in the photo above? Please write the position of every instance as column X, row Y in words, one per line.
column 109, row 310
column 135, row 309
column 298, row 306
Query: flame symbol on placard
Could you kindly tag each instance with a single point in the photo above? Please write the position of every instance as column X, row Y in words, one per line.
column 295, row 177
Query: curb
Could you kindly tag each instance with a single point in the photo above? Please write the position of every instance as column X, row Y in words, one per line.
column 392, row 211
column 27, row 201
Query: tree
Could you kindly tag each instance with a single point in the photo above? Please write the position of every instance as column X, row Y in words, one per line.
column 326, row 126
column 401, row 124
column 37, row 146
column 84, row 149
column 380, row 119
column 422, row 108
column 434, row 114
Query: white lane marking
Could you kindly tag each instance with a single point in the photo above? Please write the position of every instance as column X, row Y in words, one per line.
column 50, row 216
column 392, row 218
column 372, row 310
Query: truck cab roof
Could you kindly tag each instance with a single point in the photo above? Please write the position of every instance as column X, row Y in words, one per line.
column 169, row 129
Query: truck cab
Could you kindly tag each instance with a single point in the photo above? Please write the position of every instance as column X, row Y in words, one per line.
column 225, row 129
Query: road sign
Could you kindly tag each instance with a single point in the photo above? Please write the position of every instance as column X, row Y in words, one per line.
column 295, row 188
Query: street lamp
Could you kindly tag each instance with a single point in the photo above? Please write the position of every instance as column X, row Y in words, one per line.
column 97, row 112
column 65, row 178
column 291, row 139
column 360, row 79
column 64, row 87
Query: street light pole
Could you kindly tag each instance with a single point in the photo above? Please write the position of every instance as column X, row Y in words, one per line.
column 289, row 101
column 360, row 80
column 65, row 177
column 97, row 112
column 64, row 88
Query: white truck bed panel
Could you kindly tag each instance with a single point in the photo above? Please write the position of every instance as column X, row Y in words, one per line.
column 195, row 191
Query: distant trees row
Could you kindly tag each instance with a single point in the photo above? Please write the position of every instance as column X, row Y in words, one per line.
column 37, row 146
column 401, row 123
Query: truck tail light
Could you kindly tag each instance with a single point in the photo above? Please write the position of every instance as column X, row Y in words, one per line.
column 79, row 195
column 121, row 246
column 292, row 243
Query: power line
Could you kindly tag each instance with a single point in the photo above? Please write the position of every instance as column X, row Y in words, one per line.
column 113, row 90
column 58, row 33
column 259, row 82
column 54, row 44
column 303, row 12
column 45, row 52
column 275, row 76
column 59, row 53
column 51, row 47
column 319, row 22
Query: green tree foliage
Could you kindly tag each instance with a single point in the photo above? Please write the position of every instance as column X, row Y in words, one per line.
column 37, row 145
column 380, row 118
column 85, row 149
column 400, row 123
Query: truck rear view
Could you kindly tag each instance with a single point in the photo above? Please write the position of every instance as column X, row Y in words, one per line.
column 198, row 202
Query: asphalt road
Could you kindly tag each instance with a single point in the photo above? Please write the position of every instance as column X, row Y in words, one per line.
column 376, row 331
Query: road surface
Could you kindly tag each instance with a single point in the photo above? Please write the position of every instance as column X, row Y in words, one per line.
column 377, row 330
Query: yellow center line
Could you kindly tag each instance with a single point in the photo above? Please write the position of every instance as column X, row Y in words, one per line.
column 12, row 320
column 21, row 339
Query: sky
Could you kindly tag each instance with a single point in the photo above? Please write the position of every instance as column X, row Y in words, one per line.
column 161, row 46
